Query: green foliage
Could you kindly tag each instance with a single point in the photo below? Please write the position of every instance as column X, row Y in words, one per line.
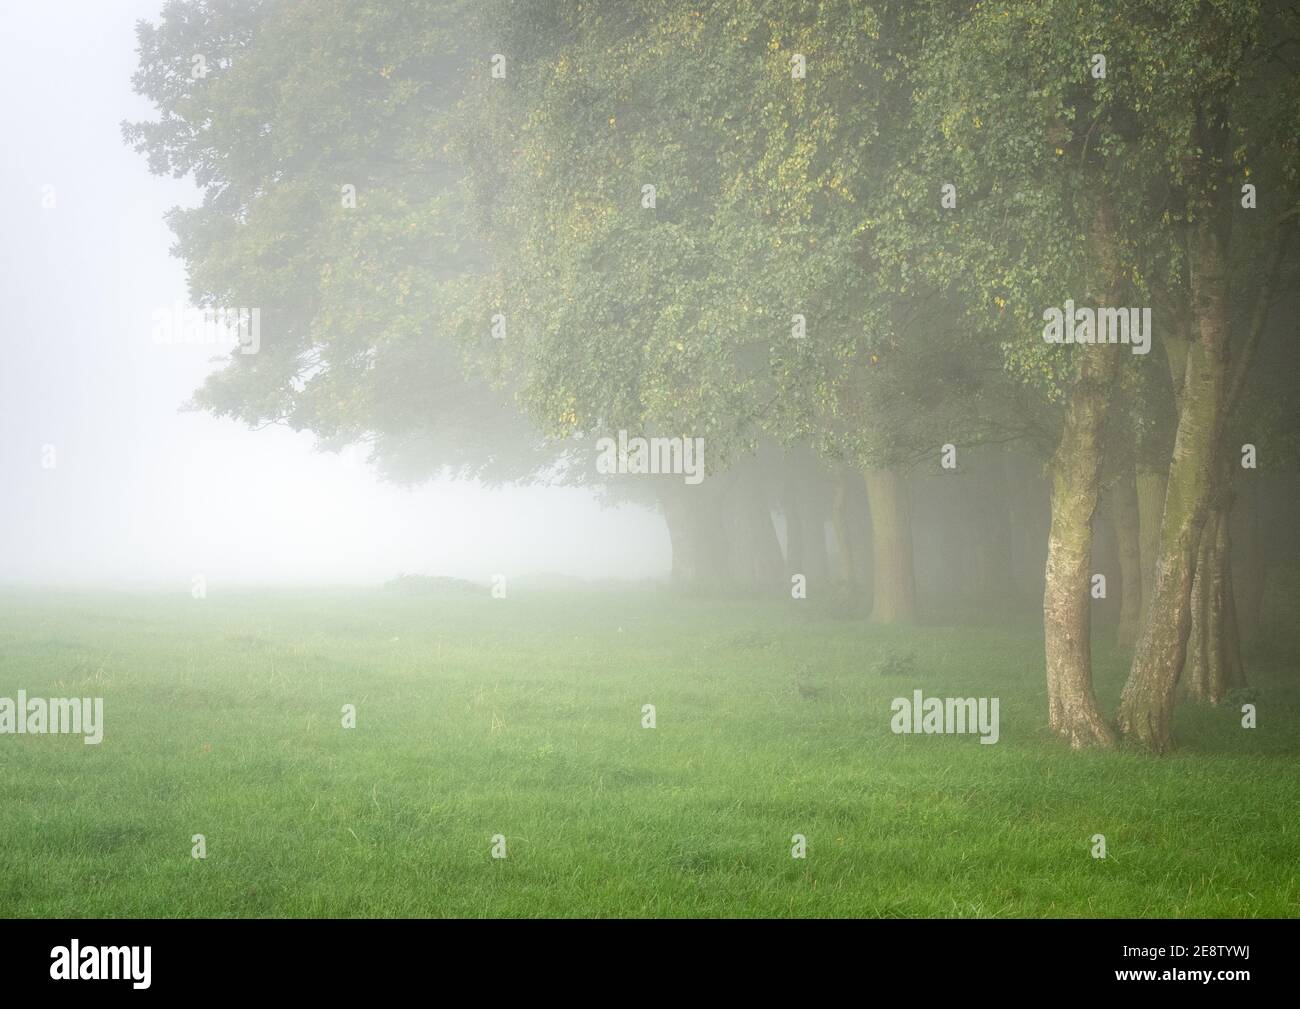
column 775, row 196
column 358, row 303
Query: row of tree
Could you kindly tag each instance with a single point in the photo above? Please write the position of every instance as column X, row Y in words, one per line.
column 822, row 236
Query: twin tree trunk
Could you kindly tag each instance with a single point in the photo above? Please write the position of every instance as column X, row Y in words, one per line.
column 1147, row 705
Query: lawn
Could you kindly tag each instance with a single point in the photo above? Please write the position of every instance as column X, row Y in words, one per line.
column 522, row 717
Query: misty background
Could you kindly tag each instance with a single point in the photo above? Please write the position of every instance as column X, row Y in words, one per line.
column 144, row 493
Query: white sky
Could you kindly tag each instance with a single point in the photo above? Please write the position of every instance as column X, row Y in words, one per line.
column 145, row 494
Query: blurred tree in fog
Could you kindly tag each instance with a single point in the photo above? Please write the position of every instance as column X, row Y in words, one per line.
column 318, row 136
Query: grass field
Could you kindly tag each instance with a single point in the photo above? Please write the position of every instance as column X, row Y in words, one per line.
column 522, row 717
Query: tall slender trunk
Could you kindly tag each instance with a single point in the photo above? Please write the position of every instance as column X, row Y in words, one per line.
column 1075, row 479
column 1147, row 705
column 1123, row 500
column 1067, row 605
column 893, row 576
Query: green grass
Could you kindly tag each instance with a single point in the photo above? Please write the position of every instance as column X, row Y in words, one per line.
column 522, row 717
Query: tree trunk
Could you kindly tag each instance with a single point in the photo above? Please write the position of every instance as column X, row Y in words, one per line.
column 1067, row 604
column 893, row 577
column 1214, row 645
column 1151, row 505
column 1147, row 705
column 1123, row 500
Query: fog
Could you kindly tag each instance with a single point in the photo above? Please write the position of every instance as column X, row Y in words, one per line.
column 106, row 480
column 525, row 458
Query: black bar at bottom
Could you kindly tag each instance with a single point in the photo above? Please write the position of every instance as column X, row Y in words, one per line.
column 932, row 958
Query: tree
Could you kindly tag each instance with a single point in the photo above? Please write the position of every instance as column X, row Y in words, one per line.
column 728, row 300
column 1050, row 189
column 1215, row 94
column 318, row 135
